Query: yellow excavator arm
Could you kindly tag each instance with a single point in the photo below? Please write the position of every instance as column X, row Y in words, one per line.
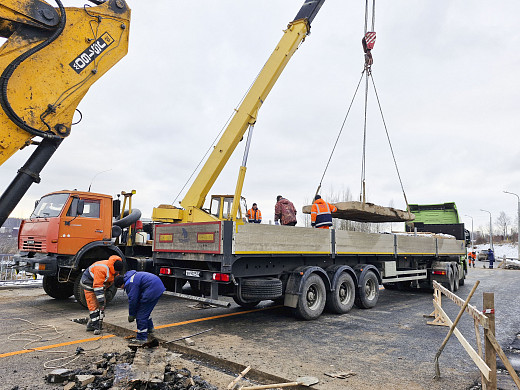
column 49, row 61
column 245, row 116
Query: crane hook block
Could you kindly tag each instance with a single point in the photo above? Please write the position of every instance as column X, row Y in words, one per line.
column 369, row 40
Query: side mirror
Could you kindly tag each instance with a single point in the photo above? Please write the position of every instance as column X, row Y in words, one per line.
column 80, row 207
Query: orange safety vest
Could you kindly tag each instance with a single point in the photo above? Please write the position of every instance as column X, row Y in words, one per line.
column 321, row 214
column 254, row 216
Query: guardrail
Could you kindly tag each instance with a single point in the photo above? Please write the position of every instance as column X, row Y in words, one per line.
column 487, row 364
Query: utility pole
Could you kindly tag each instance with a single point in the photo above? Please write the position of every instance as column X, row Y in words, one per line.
column 472, row 236
column 518, row 218
column 490, row 230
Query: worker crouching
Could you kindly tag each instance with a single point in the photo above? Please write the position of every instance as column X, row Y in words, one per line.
column 144, row 290
column 321, row 213
column 95, row 280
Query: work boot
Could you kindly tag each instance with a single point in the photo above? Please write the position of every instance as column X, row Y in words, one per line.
column 136, row 342
column 151, row 332
column 94, row 323
column 90, row 327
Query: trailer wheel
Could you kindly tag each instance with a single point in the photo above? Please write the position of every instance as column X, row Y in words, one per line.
column 341, row 300
column 79, row 294
column 311, row 302
column 55, row 289
column 253, row 289
column 245, row 304
column 368, row 293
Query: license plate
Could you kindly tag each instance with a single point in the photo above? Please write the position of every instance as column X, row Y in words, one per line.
column 195, row 274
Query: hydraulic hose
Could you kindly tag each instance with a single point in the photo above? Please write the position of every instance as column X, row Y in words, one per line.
column 9, row 70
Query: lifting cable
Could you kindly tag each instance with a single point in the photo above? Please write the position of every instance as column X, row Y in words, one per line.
column 368, row 42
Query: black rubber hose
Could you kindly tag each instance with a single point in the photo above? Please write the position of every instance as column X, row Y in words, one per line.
column 130, row 219
column 9, row 70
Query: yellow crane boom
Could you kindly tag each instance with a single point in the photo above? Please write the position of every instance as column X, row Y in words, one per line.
column 245, row 116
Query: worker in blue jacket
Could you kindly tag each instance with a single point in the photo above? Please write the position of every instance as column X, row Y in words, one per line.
column 144, row 290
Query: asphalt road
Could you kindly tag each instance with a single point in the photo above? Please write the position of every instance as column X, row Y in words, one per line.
column 387, row 347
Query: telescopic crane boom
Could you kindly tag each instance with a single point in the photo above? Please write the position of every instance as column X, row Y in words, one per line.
column 244, row 117
column 49, row 61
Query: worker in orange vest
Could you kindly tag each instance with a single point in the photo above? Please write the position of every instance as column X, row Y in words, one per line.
column 254, row 215
column 95, row 279
column 321, row 213
column 471, row 258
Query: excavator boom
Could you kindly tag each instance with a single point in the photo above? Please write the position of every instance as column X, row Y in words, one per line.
column 48, row 63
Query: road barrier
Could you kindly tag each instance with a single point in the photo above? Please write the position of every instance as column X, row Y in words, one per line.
column 485, row 319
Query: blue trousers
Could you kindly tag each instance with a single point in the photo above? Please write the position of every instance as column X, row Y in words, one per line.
column 144, row 321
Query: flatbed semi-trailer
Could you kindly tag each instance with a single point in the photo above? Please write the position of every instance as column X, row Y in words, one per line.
column 306, row 269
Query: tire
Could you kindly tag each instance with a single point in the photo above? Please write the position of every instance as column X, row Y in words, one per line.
column 79, row 294
column 462, row 281
column 312, row 300
column 260, row 289
column 341, row 300
column 245, row 304
column 456, row 280
column 450, row 284
column 368, row 294
column 55, row 289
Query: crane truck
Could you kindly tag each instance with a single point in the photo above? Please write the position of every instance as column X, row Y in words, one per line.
column 49, row 61
column 219, row 255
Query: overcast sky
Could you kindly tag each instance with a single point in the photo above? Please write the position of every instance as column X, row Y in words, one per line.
column 446, row 74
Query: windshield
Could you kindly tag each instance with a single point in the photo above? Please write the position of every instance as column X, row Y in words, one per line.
column 50, row 206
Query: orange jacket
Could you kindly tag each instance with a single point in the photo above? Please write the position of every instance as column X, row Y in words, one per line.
column 254, row 216
column 100, row 275
column 321, row 214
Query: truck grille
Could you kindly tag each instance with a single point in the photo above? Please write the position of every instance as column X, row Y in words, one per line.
column 32, row 245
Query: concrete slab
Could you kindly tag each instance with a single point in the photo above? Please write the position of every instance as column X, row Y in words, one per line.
column 367, row 212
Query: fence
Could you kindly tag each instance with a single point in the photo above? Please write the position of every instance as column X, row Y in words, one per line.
column 485, row 319
column 8, row 274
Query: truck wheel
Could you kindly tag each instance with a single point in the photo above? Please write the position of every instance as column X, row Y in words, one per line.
column 79, row 294
column 341, row 300
column 55, row 289
column 311, row 302
column 261, row 289
column 463, row 279
column 245, row 304
column 450, row 284
column 456, row 280
column 368, row 293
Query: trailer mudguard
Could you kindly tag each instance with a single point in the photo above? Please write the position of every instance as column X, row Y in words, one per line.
column 362, row 269
column 107, row 247
column 297, row 278
column 334, row 271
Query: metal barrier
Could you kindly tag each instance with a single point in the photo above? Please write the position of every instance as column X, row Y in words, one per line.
column 8, row 274
column 485, row 319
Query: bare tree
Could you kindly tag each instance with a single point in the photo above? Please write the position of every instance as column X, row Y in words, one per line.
column 503, row 222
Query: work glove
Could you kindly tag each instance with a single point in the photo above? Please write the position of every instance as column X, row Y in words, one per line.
column 131, row 318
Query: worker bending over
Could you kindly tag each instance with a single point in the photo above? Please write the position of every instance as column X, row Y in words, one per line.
column 321, row 213
column 144, row 290
column 254, row 215
column 95, row 280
